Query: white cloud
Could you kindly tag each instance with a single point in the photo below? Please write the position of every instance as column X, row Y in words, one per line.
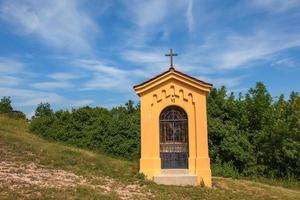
column 98, row 66
column 284, row 62
column 10, row 66
column 149, row 13
column 228, row 82
column 106, row 76
column 220, row 53
column 26, row 97
column 243, row 50
column 152, row 13
column 156, row 18
column 145, row 57
column 189, row 16
column 59, row 24
column 100, row 81
column 50, row 85
column 63, row 76
column 60, row 80
column 9, row 80
column 155, row 62
column 10, row 70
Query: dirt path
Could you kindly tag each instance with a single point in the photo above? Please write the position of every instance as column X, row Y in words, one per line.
column 18, row 176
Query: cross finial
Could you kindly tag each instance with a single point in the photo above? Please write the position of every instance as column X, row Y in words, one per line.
column 171, row 54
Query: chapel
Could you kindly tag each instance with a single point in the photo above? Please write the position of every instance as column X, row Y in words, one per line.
column 174, row 140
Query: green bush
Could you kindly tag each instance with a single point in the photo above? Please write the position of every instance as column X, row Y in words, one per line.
column 226, row 169
column 114, row 131
column 7, row 109
column 251, row 135
column 254, row 135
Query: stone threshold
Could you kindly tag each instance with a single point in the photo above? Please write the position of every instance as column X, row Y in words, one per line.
column 175, row 177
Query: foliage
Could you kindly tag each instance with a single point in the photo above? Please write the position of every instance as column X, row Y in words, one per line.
column 5, row 105
column 22, row 148
column 254, row 135
column 250, row 135
column 43, row 109
column 7, row 109
column 114, row 131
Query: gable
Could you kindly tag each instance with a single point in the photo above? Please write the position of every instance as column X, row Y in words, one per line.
column 175, row 76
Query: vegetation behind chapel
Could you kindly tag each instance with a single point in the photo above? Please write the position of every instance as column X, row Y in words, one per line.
column 250, row 135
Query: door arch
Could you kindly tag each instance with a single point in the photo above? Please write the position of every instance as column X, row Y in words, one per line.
column 173, row 122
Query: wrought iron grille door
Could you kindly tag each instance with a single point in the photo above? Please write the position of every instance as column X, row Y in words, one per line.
column 174, row 138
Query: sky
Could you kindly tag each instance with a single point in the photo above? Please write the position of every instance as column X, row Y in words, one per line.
column 74, row 53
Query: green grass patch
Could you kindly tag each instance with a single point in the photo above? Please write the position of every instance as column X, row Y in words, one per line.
column 28, row 147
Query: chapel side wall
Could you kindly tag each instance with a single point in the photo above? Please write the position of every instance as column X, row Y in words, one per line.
column 203, row 170
column 150, row 160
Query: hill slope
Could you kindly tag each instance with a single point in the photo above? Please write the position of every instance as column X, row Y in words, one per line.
column 33, row 168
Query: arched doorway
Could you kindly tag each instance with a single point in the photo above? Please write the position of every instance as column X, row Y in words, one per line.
column 173, row 138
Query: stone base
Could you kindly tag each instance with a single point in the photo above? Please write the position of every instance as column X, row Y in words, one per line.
column 175, row 177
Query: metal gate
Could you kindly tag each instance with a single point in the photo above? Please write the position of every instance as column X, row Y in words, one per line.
column 174, row 138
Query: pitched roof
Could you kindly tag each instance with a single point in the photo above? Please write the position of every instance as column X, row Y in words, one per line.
column 171, row 69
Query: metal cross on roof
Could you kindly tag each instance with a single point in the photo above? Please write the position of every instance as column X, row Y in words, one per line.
column 171, row 54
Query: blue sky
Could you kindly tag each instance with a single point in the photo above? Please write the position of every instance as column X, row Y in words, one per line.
column 90, row 52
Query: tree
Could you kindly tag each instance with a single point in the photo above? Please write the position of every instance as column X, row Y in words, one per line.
column 43, row 109
column 5, row 105
column 249, row 135
column 130, row 106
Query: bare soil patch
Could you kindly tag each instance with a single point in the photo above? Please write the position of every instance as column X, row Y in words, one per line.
column 18, row 176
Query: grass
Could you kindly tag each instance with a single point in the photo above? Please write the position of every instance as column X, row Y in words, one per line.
column 291, row 184
column 26, row 147
column 62, row 156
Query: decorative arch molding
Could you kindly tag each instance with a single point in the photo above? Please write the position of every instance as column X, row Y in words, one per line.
column 174, row 93
column 174, row 138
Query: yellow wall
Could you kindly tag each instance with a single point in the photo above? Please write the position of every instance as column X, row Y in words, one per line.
column 173, row 89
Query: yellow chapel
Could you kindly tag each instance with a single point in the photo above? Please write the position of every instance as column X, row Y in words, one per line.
column 174, row 140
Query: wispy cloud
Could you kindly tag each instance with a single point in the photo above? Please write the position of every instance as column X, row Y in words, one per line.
column 156, row 17
column 26, row 97
column 283, row 62
column 143, row 12
column 148, row 14
column 252, row 48
column 149, row 62
column 189, row 16
column 59, row 24
column 11, row 71
column 9, row 80
column 50, row 85
column 59, row 80
column 107, row 76
column 229, row 82
column 237, row 51
column 10, row 66
column 63, row 76
column 144, row 57
column 109, row 51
